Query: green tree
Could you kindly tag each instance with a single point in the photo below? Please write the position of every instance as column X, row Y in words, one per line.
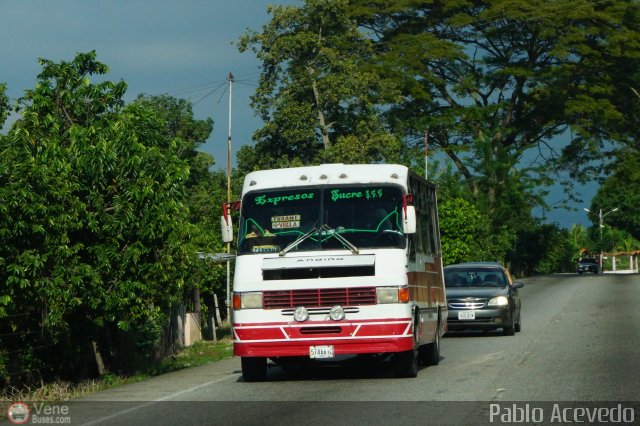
column 579, row 241
column 617, row 240
column 91, row 223
column 317, row 102
column 620, row 190
column 543, row 249
column 205, row 191
column 463, row 231
column 183, row 130
column 468, row 234
column 520, row 73
column 4, row 104
column 497, row 83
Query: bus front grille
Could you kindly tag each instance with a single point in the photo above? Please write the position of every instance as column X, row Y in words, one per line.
column 353, row 296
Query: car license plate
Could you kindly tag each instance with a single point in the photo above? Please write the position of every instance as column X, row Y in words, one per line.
column 321, row 351
column 466, row 315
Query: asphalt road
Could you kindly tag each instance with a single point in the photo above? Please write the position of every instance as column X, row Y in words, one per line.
column 578, row 350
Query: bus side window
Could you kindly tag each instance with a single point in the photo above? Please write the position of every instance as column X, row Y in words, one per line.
column 412, row 246
column 425, row 233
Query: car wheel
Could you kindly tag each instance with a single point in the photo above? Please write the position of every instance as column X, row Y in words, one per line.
column 518, row 326
column 254, row 369
column 510, row 330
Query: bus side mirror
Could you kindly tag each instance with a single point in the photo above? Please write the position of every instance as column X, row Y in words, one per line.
column 409, row 220
column 226, row 228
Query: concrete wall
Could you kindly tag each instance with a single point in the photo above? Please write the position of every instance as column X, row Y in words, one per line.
column 192, row 331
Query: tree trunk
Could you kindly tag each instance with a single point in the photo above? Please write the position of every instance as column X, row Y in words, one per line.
column 98, row 357
column 322, row 123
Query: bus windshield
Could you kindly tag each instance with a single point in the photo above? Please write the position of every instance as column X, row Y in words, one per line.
column 366, row 216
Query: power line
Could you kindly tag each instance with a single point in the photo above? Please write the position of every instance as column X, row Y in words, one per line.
column 209, row 93
column 247, row 79
column 244, row 83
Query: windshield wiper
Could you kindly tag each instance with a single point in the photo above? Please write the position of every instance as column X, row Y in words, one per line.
column 346, row 243
column 327, row 230
column 297, row 242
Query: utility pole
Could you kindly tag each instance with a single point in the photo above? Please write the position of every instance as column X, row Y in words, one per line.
column 426, row 154
column 228, row 303
column 601, row 217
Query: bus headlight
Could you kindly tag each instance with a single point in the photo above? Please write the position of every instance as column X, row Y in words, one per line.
column 392, row 295
column 336, row 313
column 498, row 301
column 301, row 314
column 249, row 300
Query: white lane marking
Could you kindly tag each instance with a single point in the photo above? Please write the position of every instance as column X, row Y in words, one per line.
column 147, row 404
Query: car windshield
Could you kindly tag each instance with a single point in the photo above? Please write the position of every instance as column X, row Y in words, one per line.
column 349, row 217
column 588, row 261
column 474, row 277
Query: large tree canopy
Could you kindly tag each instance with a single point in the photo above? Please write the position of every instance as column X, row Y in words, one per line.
column 511, row 91
column 514, row 93
column 505, row 77
column 317, row 102
column 508, row 82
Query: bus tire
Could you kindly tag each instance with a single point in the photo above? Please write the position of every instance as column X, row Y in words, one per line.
column 430, row 353
column 254, row 369
column 405, row 364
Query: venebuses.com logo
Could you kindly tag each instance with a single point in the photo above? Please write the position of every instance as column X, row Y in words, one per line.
column 18, row 413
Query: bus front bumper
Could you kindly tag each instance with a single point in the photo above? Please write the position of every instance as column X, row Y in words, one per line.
column 345, row 338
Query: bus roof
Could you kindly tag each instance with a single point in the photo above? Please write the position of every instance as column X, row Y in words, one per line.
column 326, row 174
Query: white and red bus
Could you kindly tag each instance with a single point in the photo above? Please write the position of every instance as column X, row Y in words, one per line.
column 337, row 260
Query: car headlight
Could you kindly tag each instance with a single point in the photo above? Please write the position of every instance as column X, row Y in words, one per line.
column 392, row 295
column 249, row 300
column 498, row 301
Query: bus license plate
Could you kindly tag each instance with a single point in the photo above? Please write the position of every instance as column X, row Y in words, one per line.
column 466, row 315
column 321, row 351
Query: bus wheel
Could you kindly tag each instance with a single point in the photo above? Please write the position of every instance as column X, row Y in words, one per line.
column 254, row 369
column 405, row 364
column 430, row 354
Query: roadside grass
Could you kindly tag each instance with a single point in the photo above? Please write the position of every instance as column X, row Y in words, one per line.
column 200, row 353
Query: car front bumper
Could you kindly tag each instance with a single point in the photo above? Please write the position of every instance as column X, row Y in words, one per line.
column 485, row 319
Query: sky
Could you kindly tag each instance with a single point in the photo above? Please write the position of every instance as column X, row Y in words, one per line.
column 184, row 49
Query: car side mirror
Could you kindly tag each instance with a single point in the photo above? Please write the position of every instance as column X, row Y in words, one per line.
column 518, row 284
